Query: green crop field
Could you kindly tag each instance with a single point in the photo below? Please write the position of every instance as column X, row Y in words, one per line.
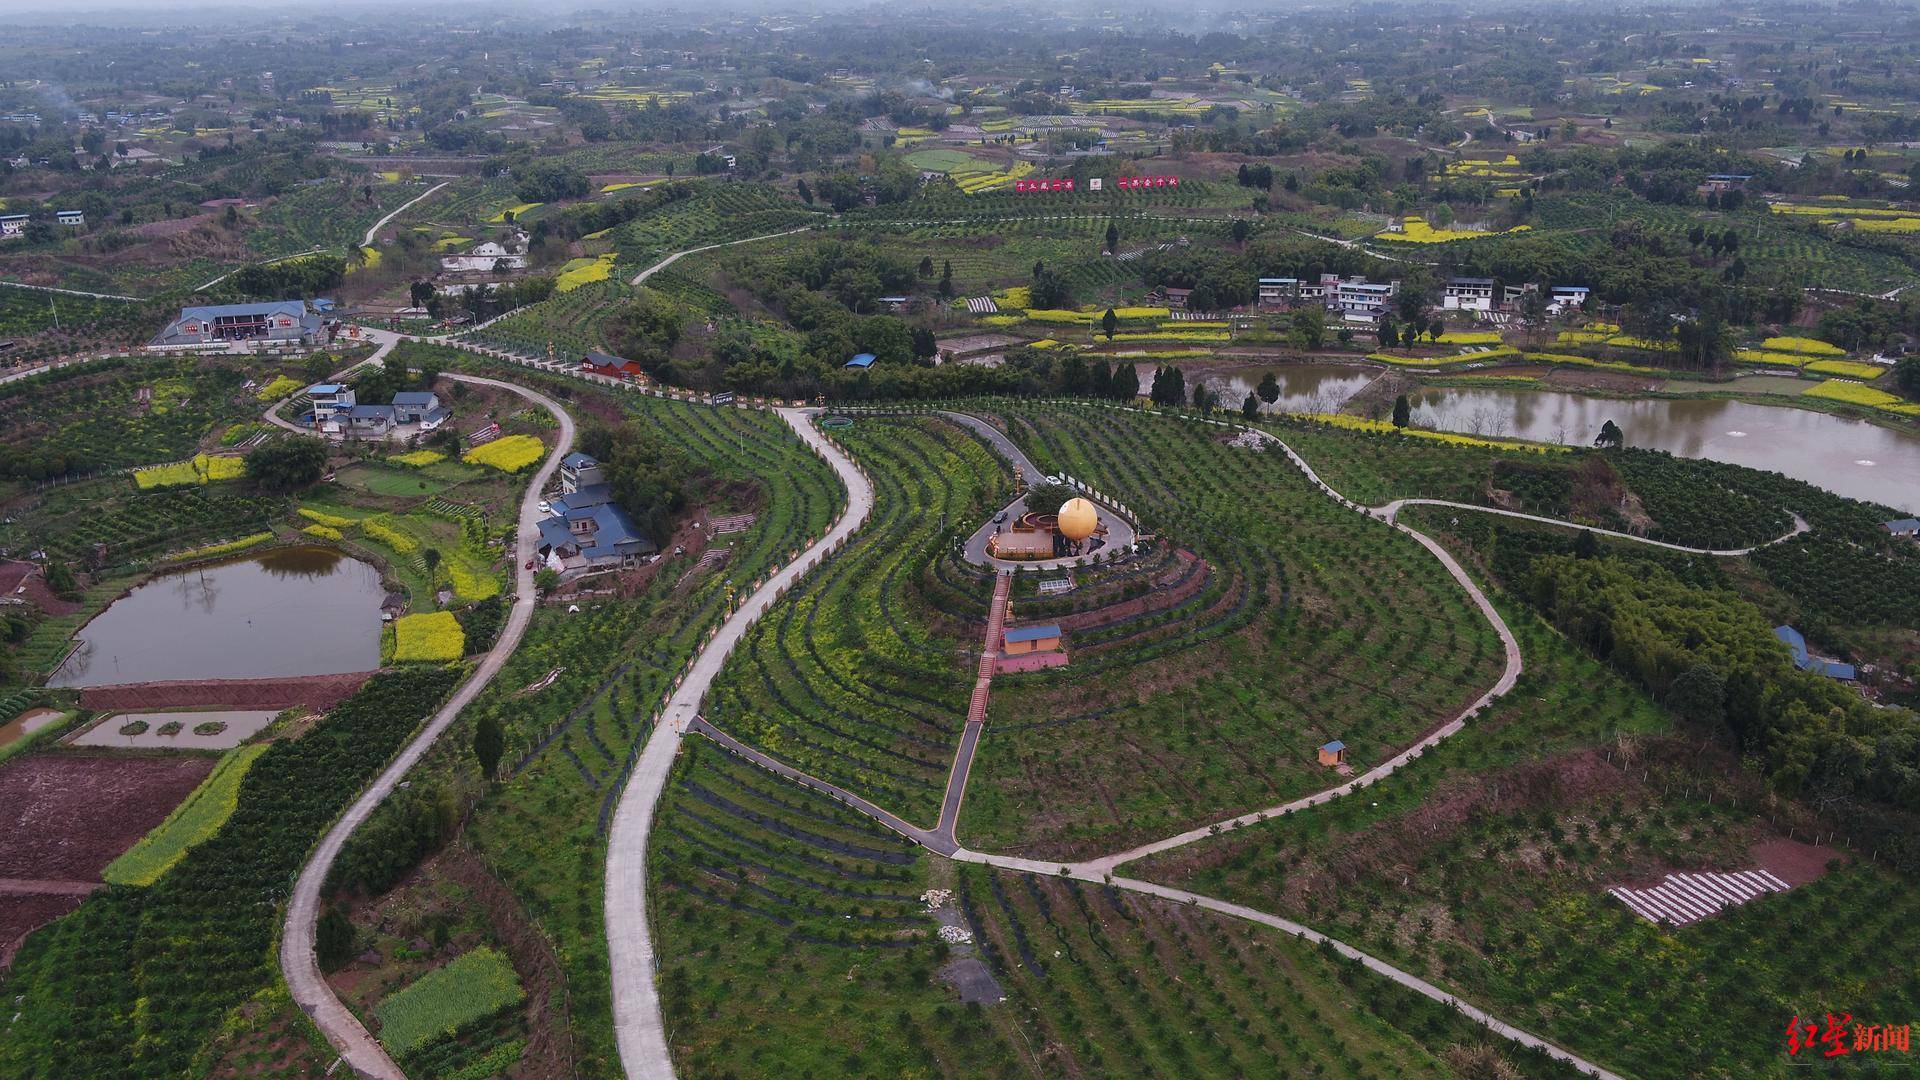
column 190, row 823
column 472, row 988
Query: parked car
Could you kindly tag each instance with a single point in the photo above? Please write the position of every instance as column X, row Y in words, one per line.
column 1000, row 517
column 546, row 507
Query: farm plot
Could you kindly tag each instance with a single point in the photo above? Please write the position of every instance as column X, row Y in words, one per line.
column 69, row 816
column 1315, row 623
column 822, row 906
column 846, row 678
column 118, row 412
column 136, row 981
column 711, row 214
column 474, row 987
column 218, row 729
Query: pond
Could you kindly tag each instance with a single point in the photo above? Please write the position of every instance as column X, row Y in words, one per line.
column 1849, row 457
column 290, row 611
column 1303, row 387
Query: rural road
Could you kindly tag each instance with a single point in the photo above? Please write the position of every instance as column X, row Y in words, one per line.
column 71, row 292
column 641, row 277
column 298, row 964
column 1391, row 512
column 638, row 1023
column 374, row 229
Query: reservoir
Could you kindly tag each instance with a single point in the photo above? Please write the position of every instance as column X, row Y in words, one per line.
column 290, row 611
column 1849, row 457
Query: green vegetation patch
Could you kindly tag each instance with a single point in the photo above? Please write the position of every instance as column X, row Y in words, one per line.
column 193, row 821
column 472, row 988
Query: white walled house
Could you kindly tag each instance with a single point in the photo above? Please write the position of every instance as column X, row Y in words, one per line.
column 1468, row 294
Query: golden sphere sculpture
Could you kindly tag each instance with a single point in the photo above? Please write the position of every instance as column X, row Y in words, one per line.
column 1078, row 519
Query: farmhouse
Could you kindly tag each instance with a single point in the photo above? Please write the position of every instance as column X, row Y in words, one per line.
column 419, row 407
column 72, row 219
column 1468, row 294
column 586, row 530
column 613, row 367
column 1278, row 291
column 1909, row 528
column 330, row 399
column 1720, row 182
column 276, row 320
column 364, row 421
column 1359, row 300
column 12, row 225
column 1797, row 645
column 861, row 361
column 1027, row 639
column 1178, row 298
column 1566, row 298
column 487, row 258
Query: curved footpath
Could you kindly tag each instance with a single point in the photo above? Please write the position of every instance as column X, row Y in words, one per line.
column 298, row 964
column 638, row 1022
column 1391, row 512
column 374, row 229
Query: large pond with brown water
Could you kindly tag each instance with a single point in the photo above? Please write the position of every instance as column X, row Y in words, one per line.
column 1850, row 457
column 290, row 611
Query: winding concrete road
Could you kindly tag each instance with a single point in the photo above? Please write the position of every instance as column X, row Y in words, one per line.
column 1391, row 512
column 298, row 964
column 374, row 229
column 639, row 1026
column 641, row 277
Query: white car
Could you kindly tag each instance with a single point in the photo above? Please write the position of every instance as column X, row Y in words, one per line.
column 546, row 507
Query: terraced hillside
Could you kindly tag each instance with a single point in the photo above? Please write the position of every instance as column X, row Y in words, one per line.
column 849, row 679
column 1312, row 623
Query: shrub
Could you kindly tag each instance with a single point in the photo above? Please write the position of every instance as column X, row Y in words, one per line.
column 430, row 637
column 509, row 454
column 418, row 459
column 280, row 387
column 1854, row 393
column 331, row 520
column 400, row 542
column 1809, row 346
column 215, row 550
column 324, row 532
column 202, row 469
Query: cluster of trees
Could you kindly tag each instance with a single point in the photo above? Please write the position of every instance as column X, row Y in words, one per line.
column 543, row 182
column 289, row 280
column 1712, row 657
column 648, row 476
column 286, row 464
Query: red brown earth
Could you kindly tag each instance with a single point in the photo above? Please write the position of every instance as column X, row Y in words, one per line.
column 66, row 816
column 320, row 692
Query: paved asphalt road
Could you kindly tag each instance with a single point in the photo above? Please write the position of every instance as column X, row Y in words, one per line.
column 297, row 962
column 638, row 1024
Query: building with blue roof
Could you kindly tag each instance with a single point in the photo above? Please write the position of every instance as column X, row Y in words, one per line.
column 863, row 360
column 1904, row 527
column 1333, row 754
column 586, row 530
column 1041, row 637
column 1796, row 644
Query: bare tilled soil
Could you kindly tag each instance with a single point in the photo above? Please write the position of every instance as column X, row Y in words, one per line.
column 64, row 817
